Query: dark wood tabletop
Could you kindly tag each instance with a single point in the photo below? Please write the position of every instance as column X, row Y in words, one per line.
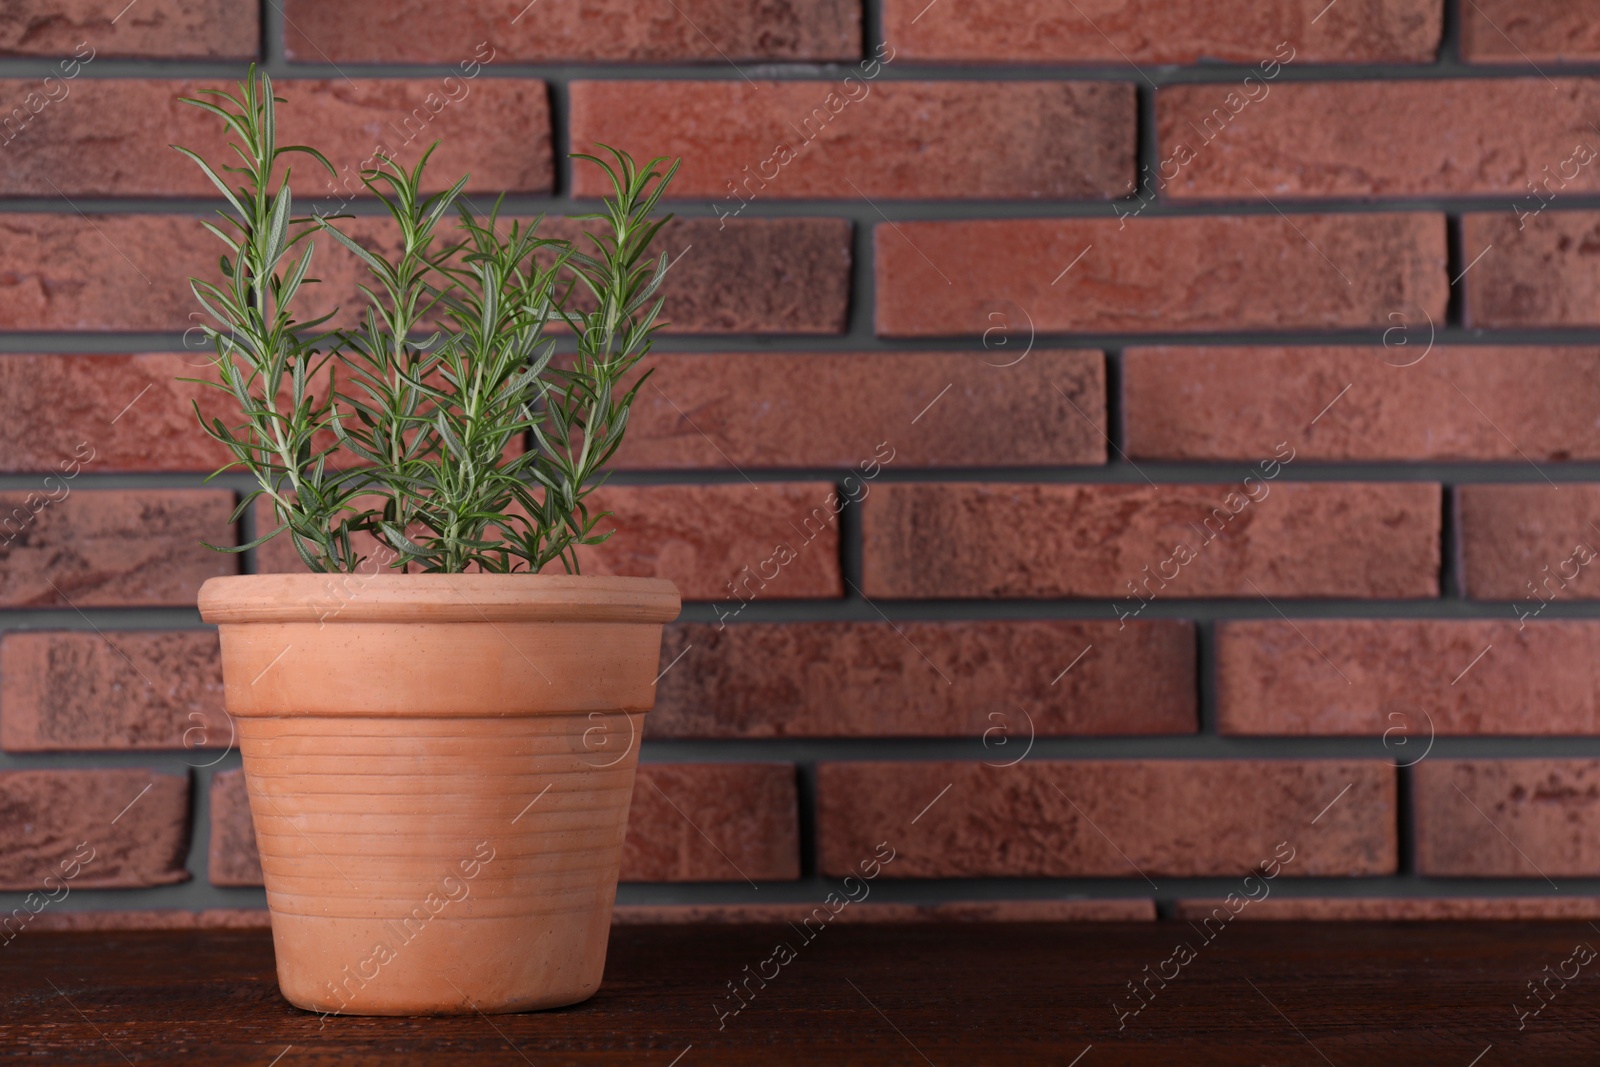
column 1347, row 994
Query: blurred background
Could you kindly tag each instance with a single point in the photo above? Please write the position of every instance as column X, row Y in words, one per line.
column 1105, row 448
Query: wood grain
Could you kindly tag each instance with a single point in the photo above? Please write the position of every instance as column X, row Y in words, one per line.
column 1267, row 993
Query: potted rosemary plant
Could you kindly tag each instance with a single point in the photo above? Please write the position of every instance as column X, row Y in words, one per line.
column 438, row 737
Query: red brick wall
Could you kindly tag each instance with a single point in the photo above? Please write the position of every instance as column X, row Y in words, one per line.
column 1100, row 457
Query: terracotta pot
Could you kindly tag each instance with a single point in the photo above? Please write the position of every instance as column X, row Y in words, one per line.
column 439, row 769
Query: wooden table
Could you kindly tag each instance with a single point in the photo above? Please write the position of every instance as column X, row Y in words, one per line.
column 1258, row 993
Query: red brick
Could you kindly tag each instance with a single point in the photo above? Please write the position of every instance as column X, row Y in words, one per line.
column 212, row 29
column 739, row 411
column 1129, row 909
column 1530, row 543
column 112, row 272
column 131, row 689
column 1392, row 677
column 130, row 409
column 1305, row 539
column 112, row 547
column 724, row 542
column 1405, row 401
column 1403, row 909
column 922, row 409
column 1146, row 275
column 1533, row 818
column 130, row 272
column 788, row 276
column 154, row 919
column 1378, row 139
column 903, row 139
column 134, row 822
column 111, row 136
column 1519, row 32
column 1107, row 818
column 758, row 276
column 1149, row 31
column 705, row 822
column 702, row 537
column 713, row 822
column 232, row 858
column 323, row 31
column 1538, row 271
column 984, row 680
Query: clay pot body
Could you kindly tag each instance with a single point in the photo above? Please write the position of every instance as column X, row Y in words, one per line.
column 439, row 770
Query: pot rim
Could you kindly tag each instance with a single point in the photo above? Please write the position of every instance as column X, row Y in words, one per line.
column 476, row 597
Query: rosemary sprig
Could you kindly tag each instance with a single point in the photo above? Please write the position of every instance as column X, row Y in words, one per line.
column 445, row 426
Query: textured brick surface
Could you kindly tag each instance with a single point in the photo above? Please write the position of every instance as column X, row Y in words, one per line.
column 1149, row 31
column 129, row 272
column 1535, row 818
column 1407, row 679
column 1376, row 138
column 321, row 31
column 1538, row 271
column 135, row 824
column 1402, row 909
column 110, row 136
column 1530, row 543
column 984, row 680
column 1111, row 818
column 755, row 276
column 682, row 815
column 1039, row 344
column 724, row 542
column 914, row 140
column 214, row 29
column 897, row 410
column 132, row 411
column 232, row 858
column 1517, row 32
column 713, row 822
column 132, row 689
column 871, row 911
column 1148, row 275
column 64, row 272
column 111, row 547
column 1402, row 400
column 1300, row 540
column 728, row 542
